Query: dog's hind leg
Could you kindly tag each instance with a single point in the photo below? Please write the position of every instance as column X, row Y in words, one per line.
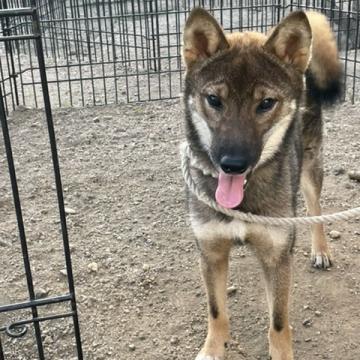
column 214, row 268
column 311, row 184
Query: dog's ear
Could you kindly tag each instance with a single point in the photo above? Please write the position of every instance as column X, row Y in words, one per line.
column 291, row 40
column 203, row 37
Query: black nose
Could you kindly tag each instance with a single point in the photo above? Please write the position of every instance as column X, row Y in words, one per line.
column 233, row 165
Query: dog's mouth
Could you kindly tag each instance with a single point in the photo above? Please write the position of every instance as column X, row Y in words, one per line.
column 230, row 189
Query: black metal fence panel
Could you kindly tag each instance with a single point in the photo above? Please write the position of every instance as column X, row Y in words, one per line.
column 33, row 312
column 101, row 52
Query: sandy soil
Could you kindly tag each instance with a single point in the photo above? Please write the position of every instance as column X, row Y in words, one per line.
column 144, row 298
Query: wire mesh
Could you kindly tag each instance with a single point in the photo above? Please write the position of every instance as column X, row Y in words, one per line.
column 101, row 52
column 26, row 315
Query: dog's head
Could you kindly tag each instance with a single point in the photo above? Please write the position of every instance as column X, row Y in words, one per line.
column 242, row 91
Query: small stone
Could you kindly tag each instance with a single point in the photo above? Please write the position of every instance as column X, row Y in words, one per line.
column 335, row 234
column 146, row 267
column 4, row 243
column 318, row 313
column 63, row 272
column 307, row 339
column 131, row 347
column 307, row 322
column 21, row 108
column 339, row 171
column 354, row 175
column 174, row 340
column 96, row 119
column 231, row 290
column 107, row 117
column 93, row 267
column 41, row 293
column 69, row 211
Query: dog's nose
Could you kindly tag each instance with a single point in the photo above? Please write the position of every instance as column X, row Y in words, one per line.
column 233, row 165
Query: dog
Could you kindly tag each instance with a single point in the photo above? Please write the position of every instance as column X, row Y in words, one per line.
column 253, row 115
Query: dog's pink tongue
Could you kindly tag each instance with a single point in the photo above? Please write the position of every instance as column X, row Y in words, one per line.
column 230, row 190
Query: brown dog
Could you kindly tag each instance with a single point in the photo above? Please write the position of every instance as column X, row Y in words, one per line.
column 253, row 114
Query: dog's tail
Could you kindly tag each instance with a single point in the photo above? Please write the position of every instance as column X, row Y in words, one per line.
column 324, row 77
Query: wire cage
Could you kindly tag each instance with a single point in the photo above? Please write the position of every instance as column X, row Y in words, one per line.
column 101, row 52
column 92, row 52
column 26, row 310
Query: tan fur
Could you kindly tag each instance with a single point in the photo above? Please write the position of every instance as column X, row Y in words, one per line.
column 291, row 40
column 203, row 37
column 275, row 136
column 311, row 191
column 215, row 271
column 325, row 63
column 280, row 344
column 249, row 38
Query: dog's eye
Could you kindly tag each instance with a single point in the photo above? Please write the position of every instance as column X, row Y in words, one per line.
column 214, row 101
column 266, row 105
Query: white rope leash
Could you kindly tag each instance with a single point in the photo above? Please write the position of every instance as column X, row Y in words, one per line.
column 188, row 160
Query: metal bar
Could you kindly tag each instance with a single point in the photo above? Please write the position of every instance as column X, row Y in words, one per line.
column 11, row 66
column 20, row 222
column 2, row 357
column 3, row 82
column 16, row 12
column 355, row 60
column 56, row 167
column 35, row 320
column 101, row 55
column 38, row 302
column 18, row 37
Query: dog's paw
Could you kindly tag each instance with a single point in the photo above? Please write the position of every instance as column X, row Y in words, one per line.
column 321, row 260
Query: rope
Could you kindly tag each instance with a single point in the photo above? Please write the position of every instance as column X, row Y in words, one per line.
column 188, row 160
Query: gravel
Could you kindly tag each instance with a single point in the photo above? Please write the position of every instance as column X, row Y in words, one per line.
column 121, row 176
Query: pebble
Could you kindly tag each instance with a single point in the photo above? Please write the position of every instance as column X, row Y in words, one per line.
column 231, row 290
column 174, row 340
column 339, row 171
column 107, row 117
column 146, row 267
column 63, row 272
column 93, row 267
column 69, row 211
column 41, row 293
column 354, row 175
column 4, row 243
column 307, row 322
column 318, row 313
column 96, row 119
column 335, row 234
column 131, row 347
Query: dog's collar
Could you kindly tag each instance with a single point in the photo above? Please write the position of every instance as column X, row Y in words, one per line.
column 195, row 161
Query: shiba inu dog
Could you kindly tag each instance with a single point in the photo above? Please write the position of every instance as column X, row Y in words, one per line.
column 253, row 114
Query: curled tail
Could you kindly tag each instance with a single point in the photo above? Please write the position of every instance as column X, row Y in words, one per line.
column 324, row 77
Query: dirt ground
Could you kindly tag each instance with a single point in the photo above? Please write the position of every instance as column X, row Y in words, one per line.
column 138, row 285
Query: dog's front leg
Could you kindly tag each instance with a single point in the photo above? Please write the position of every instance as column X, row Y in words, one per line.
column 274, row 253
column 278, row 288
column 214, row 267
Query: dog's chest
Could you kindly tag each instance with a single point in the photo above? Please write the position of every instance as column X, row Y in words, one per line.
column 234, row 230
